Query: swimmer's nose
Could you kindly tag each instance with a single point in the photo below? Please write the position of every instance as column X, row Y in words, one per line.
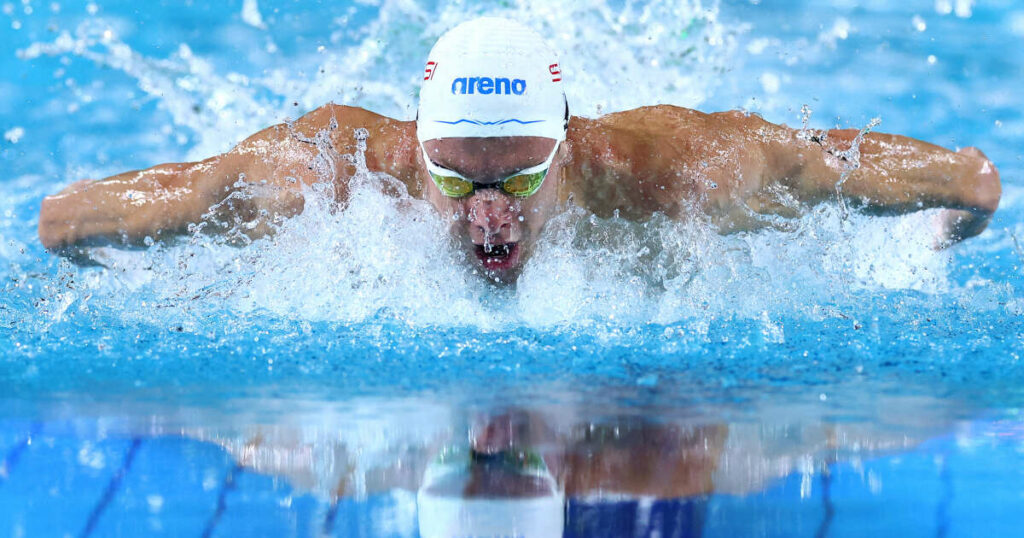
column 493, row 217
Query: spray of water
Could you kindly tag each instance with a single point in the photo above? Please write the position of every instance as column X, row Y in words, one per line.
column 383, row 255
column 386, row 254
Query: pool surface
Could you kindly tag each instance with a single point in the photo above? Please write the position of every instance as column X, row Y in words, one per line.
column 832, row 376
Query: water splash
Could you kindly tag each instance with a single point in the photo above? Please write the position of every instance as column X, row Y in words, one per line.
column 849, row 159
column 251, row 14
column 386, row 255
column 382, row 256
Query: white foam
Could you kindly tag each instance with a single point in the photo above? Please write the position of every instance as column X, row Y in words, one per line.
column 389, row 256
column 251, row 14
column 14, row 134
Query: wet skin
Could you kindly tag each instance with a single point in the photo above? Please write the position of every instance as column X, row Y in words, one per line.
column 730, row 168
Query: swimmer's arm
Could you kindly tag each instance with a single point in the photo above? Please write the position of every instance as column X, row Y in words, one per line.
column 896, row 175
column 127, row 208
column 161, row 202
column 274, row 451
column 258, row 177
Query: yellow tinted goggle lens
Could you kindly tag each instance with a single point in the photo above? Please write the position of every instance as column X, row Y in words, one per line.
column 524, row 184
column 453, row 187
column 519, row 185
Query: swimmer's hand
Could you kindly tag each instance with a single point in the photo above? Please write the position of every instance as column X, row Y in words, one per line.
column 55, row 232
column 955, row 225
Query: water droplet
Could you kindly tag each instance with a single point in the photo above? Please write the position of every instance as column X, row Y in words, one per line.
column 919, row 23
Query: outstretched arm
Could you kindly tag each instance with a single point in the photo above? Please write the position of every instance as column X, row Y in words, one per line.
column 127, row 208
column 662, row 158
column 164, row 200
column 257, row 181
column 882, row 173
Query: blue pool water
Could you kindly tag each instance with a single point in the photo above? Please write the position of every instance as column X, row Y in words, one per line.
column 837, row 378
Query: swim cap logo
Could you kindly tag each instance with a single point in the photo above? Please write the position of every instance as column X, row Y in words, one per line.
column 556, row 72
column 428, row 74
column 488, row 86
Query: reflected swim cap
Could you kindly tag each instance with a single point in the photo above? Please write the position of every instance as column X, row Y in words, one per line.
column 491, row 77
column 444, row 510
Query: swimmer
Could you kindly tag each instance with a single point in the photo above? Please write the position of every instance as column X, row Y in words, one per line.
column 495, row 151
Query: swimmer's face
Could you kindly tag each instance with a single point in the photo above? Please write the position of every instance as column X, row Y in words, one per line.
column 496, row 228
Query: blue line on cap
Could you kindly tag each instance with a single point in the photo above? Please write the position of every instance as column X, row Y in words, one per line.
column 499, row 122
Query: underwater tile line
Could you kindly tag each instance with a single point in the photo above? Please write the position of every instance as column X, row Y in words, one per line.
column 332, row 514
column 230, row 480
column 112, row 488
column 826, row 501
column 14, row 454
column 946, row 500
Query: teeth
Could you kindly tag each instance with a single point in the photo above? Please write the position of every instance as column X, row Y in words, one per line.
column 496, row 250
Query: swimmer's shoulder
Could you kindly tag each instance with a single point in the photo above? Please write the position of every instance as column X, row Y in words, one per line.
column 391, row 144
column 343, row 119
column 646, row 118
column 650, row 133
column 630, row 161
column 334, row 131
column 636, row 130
column 637, row 133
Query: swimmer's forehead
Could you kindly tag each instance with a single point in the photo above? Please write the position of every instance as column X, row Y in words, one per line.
column 513, row 145
column 490, row 156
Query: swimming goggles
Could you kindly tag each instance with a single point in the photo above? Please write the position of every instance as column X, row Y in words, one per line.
column 523, row 462
column 523, row 183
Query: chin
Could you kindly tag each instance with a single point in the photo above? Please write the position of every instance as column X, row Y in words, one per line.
column 509, row 276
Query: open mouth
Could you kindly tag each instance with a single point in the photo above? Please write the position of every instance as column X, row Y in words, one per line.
column 498, row 257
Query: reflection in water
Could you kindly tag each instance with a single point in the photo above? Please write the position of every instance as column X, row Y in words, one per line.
column 451, row 468
column 558, row 471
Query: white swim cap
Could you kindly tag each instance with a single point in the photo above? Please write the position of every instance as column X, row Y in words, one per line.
column 443, row 511
column 451, row 517
column 491, row 77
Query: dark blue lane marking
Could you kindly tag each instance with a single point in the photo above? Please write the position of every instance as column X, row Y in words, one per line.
column 112, row 487
column 332, row 514
column 942, row 513
column 14, row 454
column 222, row 499
column 826, row 500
